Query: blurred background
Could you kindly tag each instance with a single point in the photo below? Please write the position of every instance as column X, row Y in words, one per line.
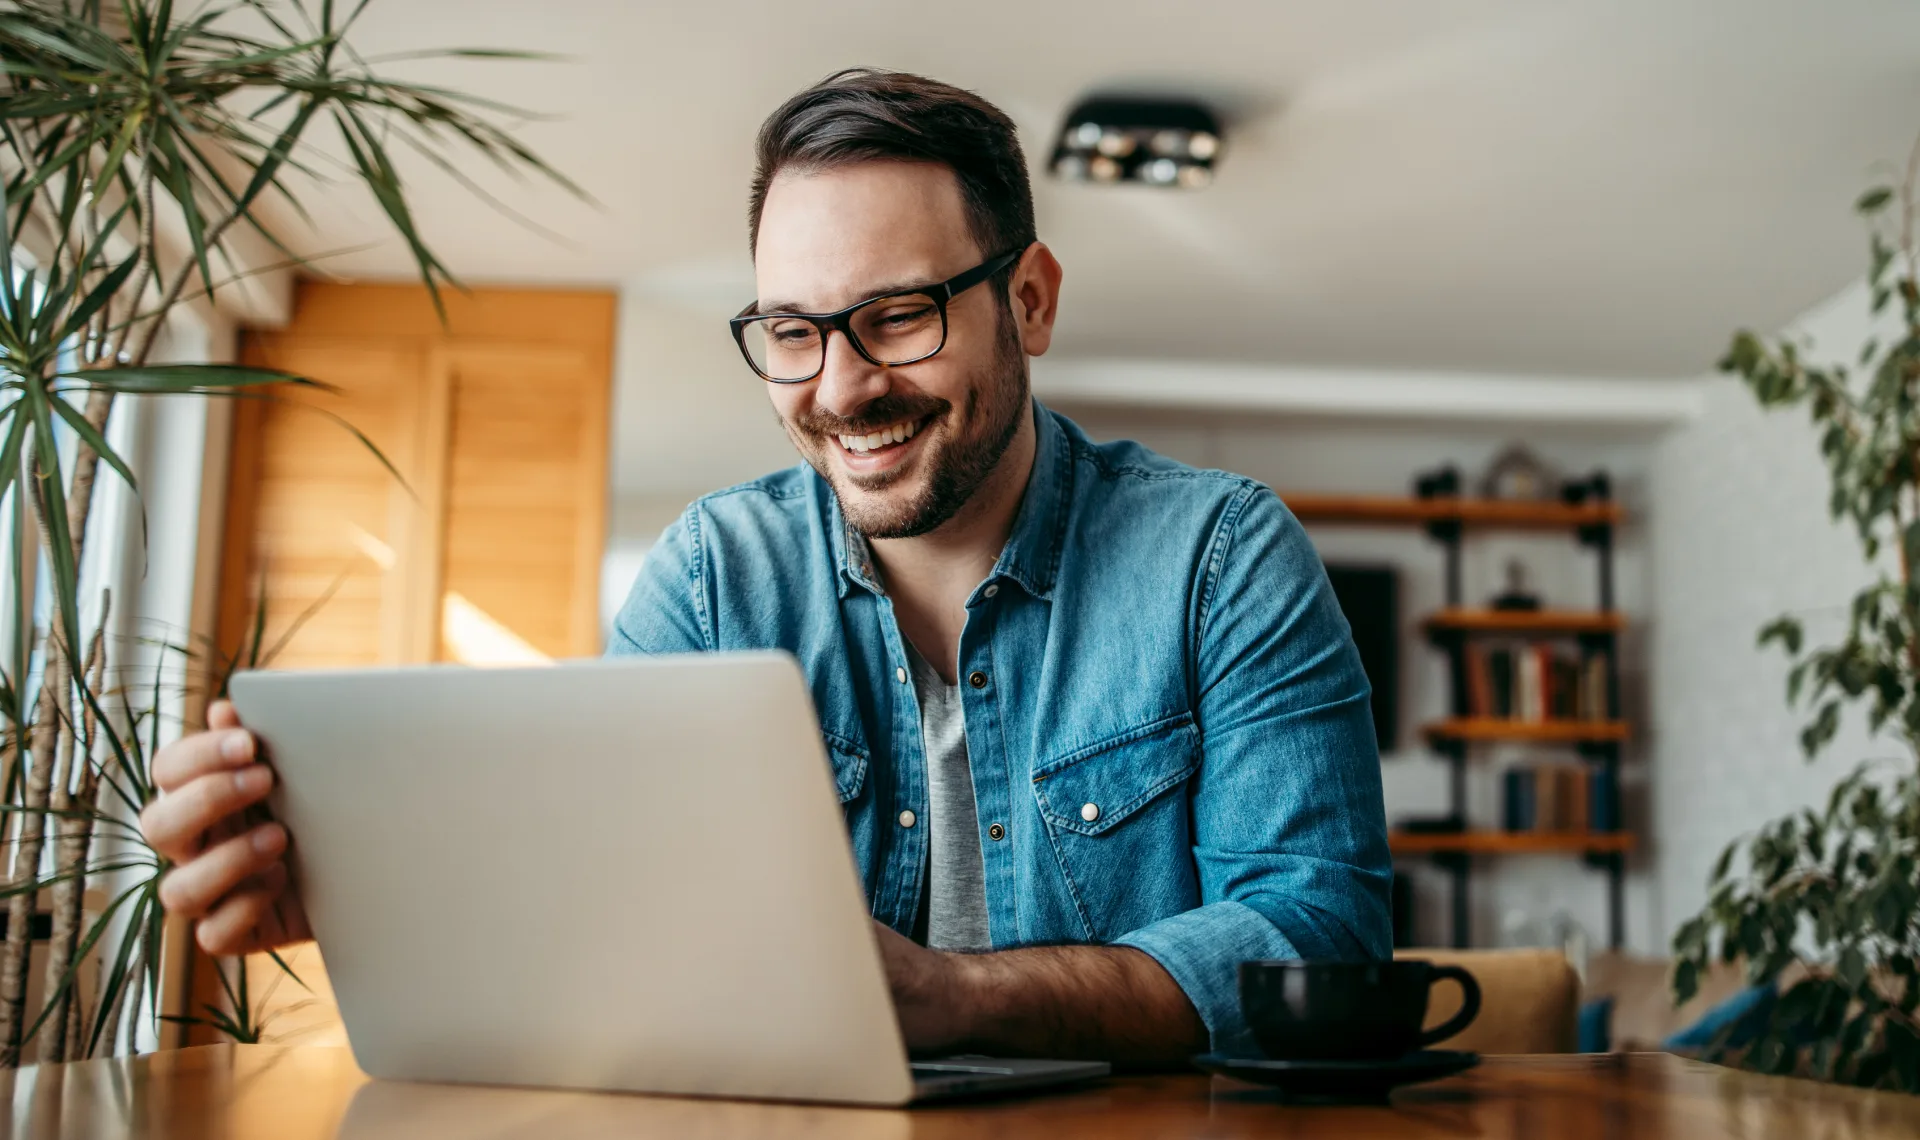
column 1510, row 238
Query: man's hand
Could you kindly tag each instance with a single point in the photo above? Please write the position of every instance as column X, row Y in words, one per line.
column 229, row 872
column 1109, row 1003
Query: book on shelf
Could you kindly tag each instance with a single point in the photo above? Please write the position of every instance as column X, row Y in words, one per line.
column 1558, row 796
column 1535, row 682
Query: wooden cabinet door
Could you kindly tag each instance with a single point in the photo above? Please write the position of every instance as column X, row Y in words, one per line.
column 316, row 521
column 525, row 517
column 485, row 550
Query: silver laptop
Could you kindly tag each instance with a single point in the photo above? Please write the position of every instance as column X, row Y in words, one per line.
column 627, row 875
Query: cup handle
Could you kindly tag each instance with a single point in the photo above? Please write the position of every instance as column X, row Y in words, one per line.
column 1469, row 1005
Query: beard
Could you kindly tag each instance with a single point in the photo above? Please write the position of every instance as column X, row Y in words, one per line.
column 965, row 450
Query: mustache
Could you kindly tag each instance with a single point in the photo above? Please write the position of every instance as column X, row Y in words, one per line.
column 888, row 409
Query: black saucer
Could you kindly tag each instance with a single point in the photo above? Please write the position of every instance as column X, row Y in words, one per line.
column 1341, row 1082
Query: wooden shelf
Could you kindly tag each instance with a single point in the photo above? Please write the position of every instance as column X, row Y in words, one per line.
column 1536, row 731
column 1376, row 509
column 1525, row 621
column 1509, row 842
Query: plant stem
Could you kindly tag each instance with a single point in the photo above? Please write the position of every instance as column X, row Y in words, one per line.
column 73, row 835
column 26, row 862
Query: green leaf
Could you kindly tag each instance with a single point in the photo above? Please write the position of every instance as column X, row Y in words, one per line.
column 186, row 379
column 1874, row 200
column 1686, row 981
column 1852, row 968
column 1786, row 631
column 1722, row 864
column 96, row 300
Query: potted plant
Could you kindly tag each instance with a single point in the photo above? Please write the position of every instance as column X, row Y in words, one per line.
column 1833, row 891
column 114, row 118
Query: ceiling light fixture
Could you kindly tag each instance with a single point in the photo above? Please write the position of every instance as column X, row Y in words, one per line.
column 1159, row 142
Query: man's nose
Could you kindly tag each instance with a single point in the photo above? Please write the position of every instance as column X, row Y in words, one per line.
column 848, row 381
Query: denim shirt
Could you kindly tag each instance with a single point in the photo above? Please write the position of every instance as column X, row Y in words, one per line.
column 1170, row 733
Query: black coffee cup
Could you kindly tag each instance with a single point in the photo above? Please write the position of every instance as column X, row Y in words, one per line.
column 1331, row 1011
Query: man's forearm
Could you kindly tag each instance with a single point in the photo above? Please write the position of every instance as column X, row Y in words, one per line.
column 1111, row 1003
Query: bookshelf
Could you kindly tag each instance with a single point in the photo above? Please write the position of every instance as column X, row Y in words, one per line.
column 1370, row 509
column 1490, row 842
column 1553, row 731
column 1596, row 738
column 1515, row 622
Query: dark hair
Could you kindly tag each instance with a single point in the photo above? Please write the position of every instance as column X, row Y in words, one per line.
column 864, row 114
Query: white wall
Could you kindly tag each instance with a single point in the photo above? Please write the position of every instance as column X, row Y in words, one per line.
column 1739, row 535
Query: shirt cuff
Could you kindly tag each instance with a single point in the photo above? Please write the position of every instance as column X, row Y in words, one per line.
column 1203, row 949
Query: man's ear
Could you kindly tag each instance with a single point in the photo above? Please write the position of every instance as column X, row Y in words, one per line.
column 1034, row 294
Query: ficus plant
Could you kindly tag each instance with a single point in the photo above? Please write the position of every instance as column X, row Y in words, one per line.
column 140, row 141
column 1824, row 904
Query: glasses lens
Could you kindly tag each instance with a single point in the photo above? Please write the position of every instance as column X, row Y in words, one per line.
column 899, row 329
column 783, row 348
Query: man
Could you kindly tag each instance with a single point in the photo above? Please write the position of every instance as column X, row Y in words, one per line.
column 1097, row 723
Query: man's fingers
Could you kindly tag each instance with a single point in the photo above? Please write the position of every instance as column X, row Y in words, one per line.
column 242, row 923
column 194, row 887
column 221, row 714
column 175, row 823
column 190, row 757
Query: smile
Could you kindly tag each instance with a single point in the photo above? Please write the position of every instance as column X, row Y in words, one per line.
column 886, row 437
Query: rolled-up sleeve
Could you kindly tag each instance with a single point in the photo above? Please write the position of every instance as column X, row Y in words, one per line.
column 1289, row 828
column 668, row 609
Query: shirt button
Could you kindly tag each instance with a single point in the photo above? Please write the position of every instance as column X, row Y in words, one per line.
column 900, row 674
column 992, row 590
column 906, row 819
column 996, row 832
column 1089, row 812
column 977, row 679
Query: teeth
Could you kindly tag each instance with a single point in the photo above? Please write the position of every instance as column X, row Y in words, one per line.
column 893, row 433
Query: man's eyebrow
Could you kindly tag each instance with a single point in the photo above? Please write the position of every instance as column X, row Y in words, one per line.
column 768, row 308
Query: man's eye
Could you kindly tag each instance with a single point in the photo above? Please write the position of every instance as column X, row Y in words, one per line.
column 901, row 318
column 792, row 334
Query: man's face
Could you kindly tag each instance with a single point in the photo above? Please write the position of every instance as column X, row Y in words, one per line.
column 831, row 238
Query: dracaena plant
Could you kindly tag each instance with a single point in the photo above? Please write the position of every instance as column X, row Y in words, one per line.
column 1826, row 902
column 123, row 122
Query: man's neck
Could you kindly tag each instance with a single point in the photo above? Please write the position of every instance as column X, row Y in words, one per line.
column 930, row 576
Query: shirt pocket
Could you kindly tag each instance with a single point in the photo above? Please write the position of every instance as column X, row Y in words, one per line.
column 1119, row 826
column 850, row 764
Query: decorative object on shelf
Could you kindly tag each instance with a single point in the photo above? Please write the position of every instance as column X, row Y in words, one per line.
column 1518, row 475
column 1516, row 596
column 1595, row 488
column 1440, row 483
column 1432, row 824
column 1833, row 891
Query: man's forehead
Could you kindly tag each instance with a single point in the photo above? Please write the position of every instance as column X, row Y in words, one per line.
column 831, row 237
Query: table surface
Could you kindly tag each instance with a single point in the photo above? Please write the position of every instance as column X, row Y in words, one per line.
column 242, row 1092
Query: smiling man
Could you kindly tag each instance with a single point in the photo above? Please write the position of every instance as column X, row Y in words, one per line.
column 1097, row 724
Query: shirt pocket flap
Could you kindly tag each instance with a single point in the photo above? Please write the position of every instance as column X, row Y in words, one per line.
column 849, row 765
column 1117, row 777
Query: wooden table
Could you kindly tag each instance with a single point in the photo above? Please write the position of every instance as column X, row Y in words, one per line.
column 262, row 1092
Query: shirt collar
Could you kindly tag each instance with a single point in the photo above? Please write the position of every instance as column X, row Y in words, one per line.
column 1031, row 556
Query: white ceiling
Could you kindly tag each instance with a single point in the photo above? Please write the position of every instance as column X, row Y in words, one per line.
column 1590, row 187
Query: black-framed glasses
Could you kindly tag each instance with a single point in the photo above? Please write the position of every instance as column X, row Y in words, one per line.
column 889, row 330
